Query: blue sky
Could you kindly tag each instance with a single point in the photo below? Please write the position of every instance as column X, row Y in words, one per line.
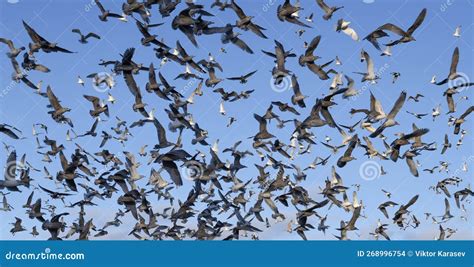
column 417, row 62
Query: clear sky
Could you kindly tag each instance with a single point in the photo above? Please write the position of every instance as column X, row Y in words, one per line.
column 416, row 61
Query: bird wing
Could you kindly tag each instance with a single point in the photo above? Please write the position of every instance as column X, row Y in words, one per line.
column 237, row 41
column 318, row 71
column 398, row 105
column 91, row 34
column 393, row 28
column 101, row 7
column 172, row 170
column 323, row 6
column 352, row 33
column 467, row 112
column 53, row 100
column 33, row 34
column 412, row 166
column 77, row 31
column 7, row 42
column 451, row 105
column 454, row 61
column 417, row 22
column 312, row 46
column 240, row 13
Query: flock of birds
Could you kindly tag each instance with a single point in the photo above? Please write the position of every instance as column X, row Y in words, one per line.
column 221, row 204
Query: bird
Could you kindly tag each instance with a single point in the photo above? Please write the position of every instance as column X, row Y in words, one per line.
column 83, row 38
column 370, row 75
column 406, row 36
column 104, row 14
column 9, row 131
column 244, row 78
column 459, row 121
column 390, row 120
column 457, row 31
column 20, row 75
column 285, row 13
column 40, row 43
column 229, row 36
column 453, row 74
column 328, row 11
column 207, row 189
column 14, row 52
column 343, row 26
column 245, row 22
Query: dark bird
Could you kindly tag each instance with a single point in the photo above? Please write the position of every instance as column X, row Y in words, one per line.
column 390, row 120
column 230, row 36
column 383, row 207
column 453, row 74
column 342, row 161
column 104, row 14
column 30, row 64
column 40, row 43
column 286, row 12
column 262, row 133
column 408, row 35
column 244, row 78
column 297, row 98
column 245, row 22
column 459, row 121
column 398, row 217
column 83, row 38
column 328, row 11
column 9, row 131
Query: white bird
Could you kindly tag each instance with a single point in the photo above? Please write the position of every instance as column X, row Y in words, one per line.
column 336, row 81
column 436, row 111
column 151, row 114
column 296, row 14
column 221, row 108
column 123, row 18
column 387, row 51
column 457, row 32
column 464, row 166
column 80, row 80
column 163, row 61
column 68, row 136
column 190, row 99
column 215, row 146
column 343, row 26
column 111, row 99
